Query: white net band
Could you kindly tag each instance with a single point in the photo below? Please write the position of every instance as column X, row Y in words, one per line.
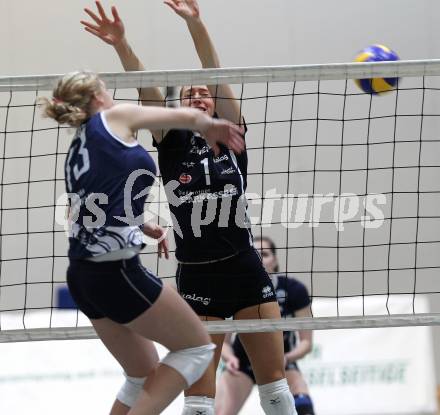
column 242, row 326
column 239, row 75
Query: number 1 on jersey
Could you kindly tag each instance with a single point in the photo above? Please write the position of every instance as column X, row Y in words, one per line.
column 206, row 167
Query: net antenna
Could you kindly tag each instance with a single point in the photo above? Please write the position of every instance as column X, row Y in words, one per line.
column 346, row 183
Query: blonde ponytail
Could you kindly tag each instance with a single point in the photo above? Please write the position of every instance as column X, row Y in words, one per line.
column 72, row 98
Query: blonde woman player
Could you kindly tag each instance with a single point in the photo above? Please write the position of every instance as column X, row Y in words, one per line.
column 237, row 381
column 219, row 273
column 128, row 306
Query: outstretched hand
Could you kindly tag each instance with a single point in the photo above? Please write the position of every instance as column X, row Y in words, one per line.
column 187, row 9
column 226, row 133
column 110, row 31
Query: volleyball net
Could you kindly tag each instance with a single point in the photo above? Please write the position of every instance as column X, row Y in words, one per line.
column 347, row 184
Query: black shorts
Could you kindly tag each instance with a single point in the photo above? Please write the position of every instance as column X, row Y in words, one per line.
column 246, row 368
column 119, row 290
column 222, row 288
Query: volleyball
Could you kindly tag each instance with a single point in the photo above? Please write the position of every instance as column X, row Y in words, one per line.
column 376, row 53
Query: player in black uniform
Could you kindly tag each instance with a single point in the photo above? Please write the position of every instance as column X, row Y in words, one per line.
column 237, row 381
column 220, row 274
column 127, row 305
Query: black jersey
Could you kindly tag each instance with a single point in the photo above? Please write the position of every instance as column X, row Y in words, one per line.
column 292, row 296
column 100, row 163
column 206, row 195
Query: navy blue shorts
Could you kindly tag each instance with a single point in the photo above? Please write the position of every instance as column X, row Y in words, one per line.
column 119, row 290
column 222, row 288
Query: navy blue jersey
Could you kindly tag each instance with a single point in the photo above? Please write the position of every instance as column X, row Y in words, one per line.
column 292, row 296
column 100, row 170
column 206, row 194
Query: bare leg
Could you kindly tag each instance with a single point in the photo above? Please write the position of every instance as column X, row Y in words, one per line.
column 232, row 392
column 119, row 408
column 159, row 390
column 266, row 353
column 265, row 350
column 171, row 322
column 136, row 354
column 205, row 386
column 296, row 382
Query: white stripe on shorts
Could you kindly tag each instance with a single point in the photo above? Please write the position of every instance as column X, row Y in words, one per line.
column 134, row 287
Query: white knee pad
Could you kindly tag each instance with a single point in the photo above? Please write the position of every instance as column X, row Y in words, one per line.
column 198, row 405
column 276, row 399
column 130, row 390
column 190, row 363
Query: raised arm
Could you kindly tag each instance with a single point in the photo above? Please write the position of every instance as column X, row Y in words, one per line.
column 112, row 32
column 125, row 119
column 226, row 104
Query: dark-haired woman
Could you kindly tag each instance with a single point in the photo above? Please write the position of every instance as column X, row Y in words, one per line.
column 219, row 274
